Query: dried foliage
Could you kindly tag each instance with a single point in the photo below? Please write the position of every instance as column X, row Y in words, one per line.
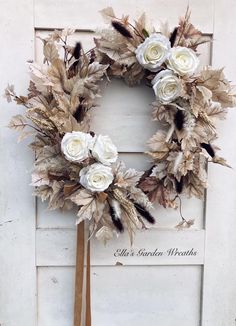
column 61, row 92
column 64, row 88
column 181, row 151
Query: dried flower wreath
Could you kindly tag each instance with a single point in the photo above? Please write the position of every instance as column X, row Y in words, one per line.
column 188, row 101
column 75, row 166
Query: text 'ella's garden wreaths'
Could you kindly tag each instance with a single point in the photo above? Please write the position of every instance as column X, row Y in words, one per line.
column 74, row 166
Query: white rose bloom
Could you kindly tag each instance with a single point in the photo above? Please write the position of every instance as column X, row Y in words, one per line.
column 182, row 60
column 96, row 177
column 166, row 86
column 104, row 150
column 76, row 145
column 153, row 51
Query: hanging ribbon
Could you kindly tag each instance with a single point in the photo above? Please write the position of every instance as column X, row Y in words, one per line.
column 79, row 279
column 88, row 292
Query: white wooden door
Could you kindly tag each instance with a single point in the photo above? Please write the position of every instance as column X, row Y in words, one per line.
column 129, row 286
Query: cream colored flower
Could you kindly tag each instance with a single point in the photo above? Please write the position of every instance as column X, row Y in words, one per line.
column 166, row 86
column 96, row 177
column 153, row 51
column 76, row 145
column 104, row 150
column 183, row 61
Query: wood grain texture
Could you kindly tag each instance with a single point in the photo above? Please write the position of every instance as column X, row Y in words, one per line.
column 145, row 290
column 57, row 248
column 17, row 206
column 124, row 295
column 58, row 14
column 219, row 290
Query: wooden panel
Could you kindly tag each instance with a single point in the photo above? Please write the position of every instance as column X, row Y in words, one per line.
column 170, row 295
column 55, row 296
column 17, row 212
column 80, row 14
column 219, row 291
column 153, row 247
column 125, row 115
column 163, row 295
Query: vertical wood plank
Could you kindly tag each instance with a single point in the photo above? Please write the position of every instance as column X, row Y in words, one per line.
column 17, row 209
column 219, row 290
column 80, row 14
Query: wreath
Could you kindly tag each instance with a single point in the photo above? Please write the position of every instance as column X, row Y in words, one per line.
column 75, row 166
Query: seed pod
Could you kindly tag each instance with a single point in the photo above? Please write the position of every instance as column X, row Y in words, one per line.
column 120, row 28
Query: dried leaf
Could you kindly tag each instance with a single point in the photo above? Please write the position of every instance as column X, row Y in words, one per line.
column 50, row 51
column 215, row 111
column 44, row 192
column 128, row 178
column 82, row 197
column 9, row 93
column 215, row 81
column 18, row 122
column 157, row 192
column 86, row 212
column 25, row 134
column 221, row 161
column 188, row 35
column 185, row 224
column 206, row 93
column 108, row 14
column 158, row 145
column 39, row 179
column 104, row 234
column 70, row 188
column 33, row 92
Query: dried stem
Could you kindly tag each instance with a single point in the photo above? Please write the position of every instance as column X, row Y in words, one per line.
column 180, row 208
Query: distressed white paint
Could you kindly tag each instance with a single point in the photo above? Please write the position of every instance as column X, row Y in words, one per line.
column 133, row 294
column 55, row 296
column 219, row 291
column 165, row 247
column 17, row 211
column 141, row 295
column 81, row 14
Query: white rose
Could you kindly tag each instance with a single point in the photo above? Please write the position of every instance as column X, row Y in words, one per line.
column 183, row 61
column 76, row 145
column 153, row 51
column 104, row 150
column 96, row 177
column 166, row 86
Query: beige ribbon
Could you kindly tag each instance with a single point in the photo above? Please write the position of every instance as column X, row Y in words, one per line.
column 79, row 279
